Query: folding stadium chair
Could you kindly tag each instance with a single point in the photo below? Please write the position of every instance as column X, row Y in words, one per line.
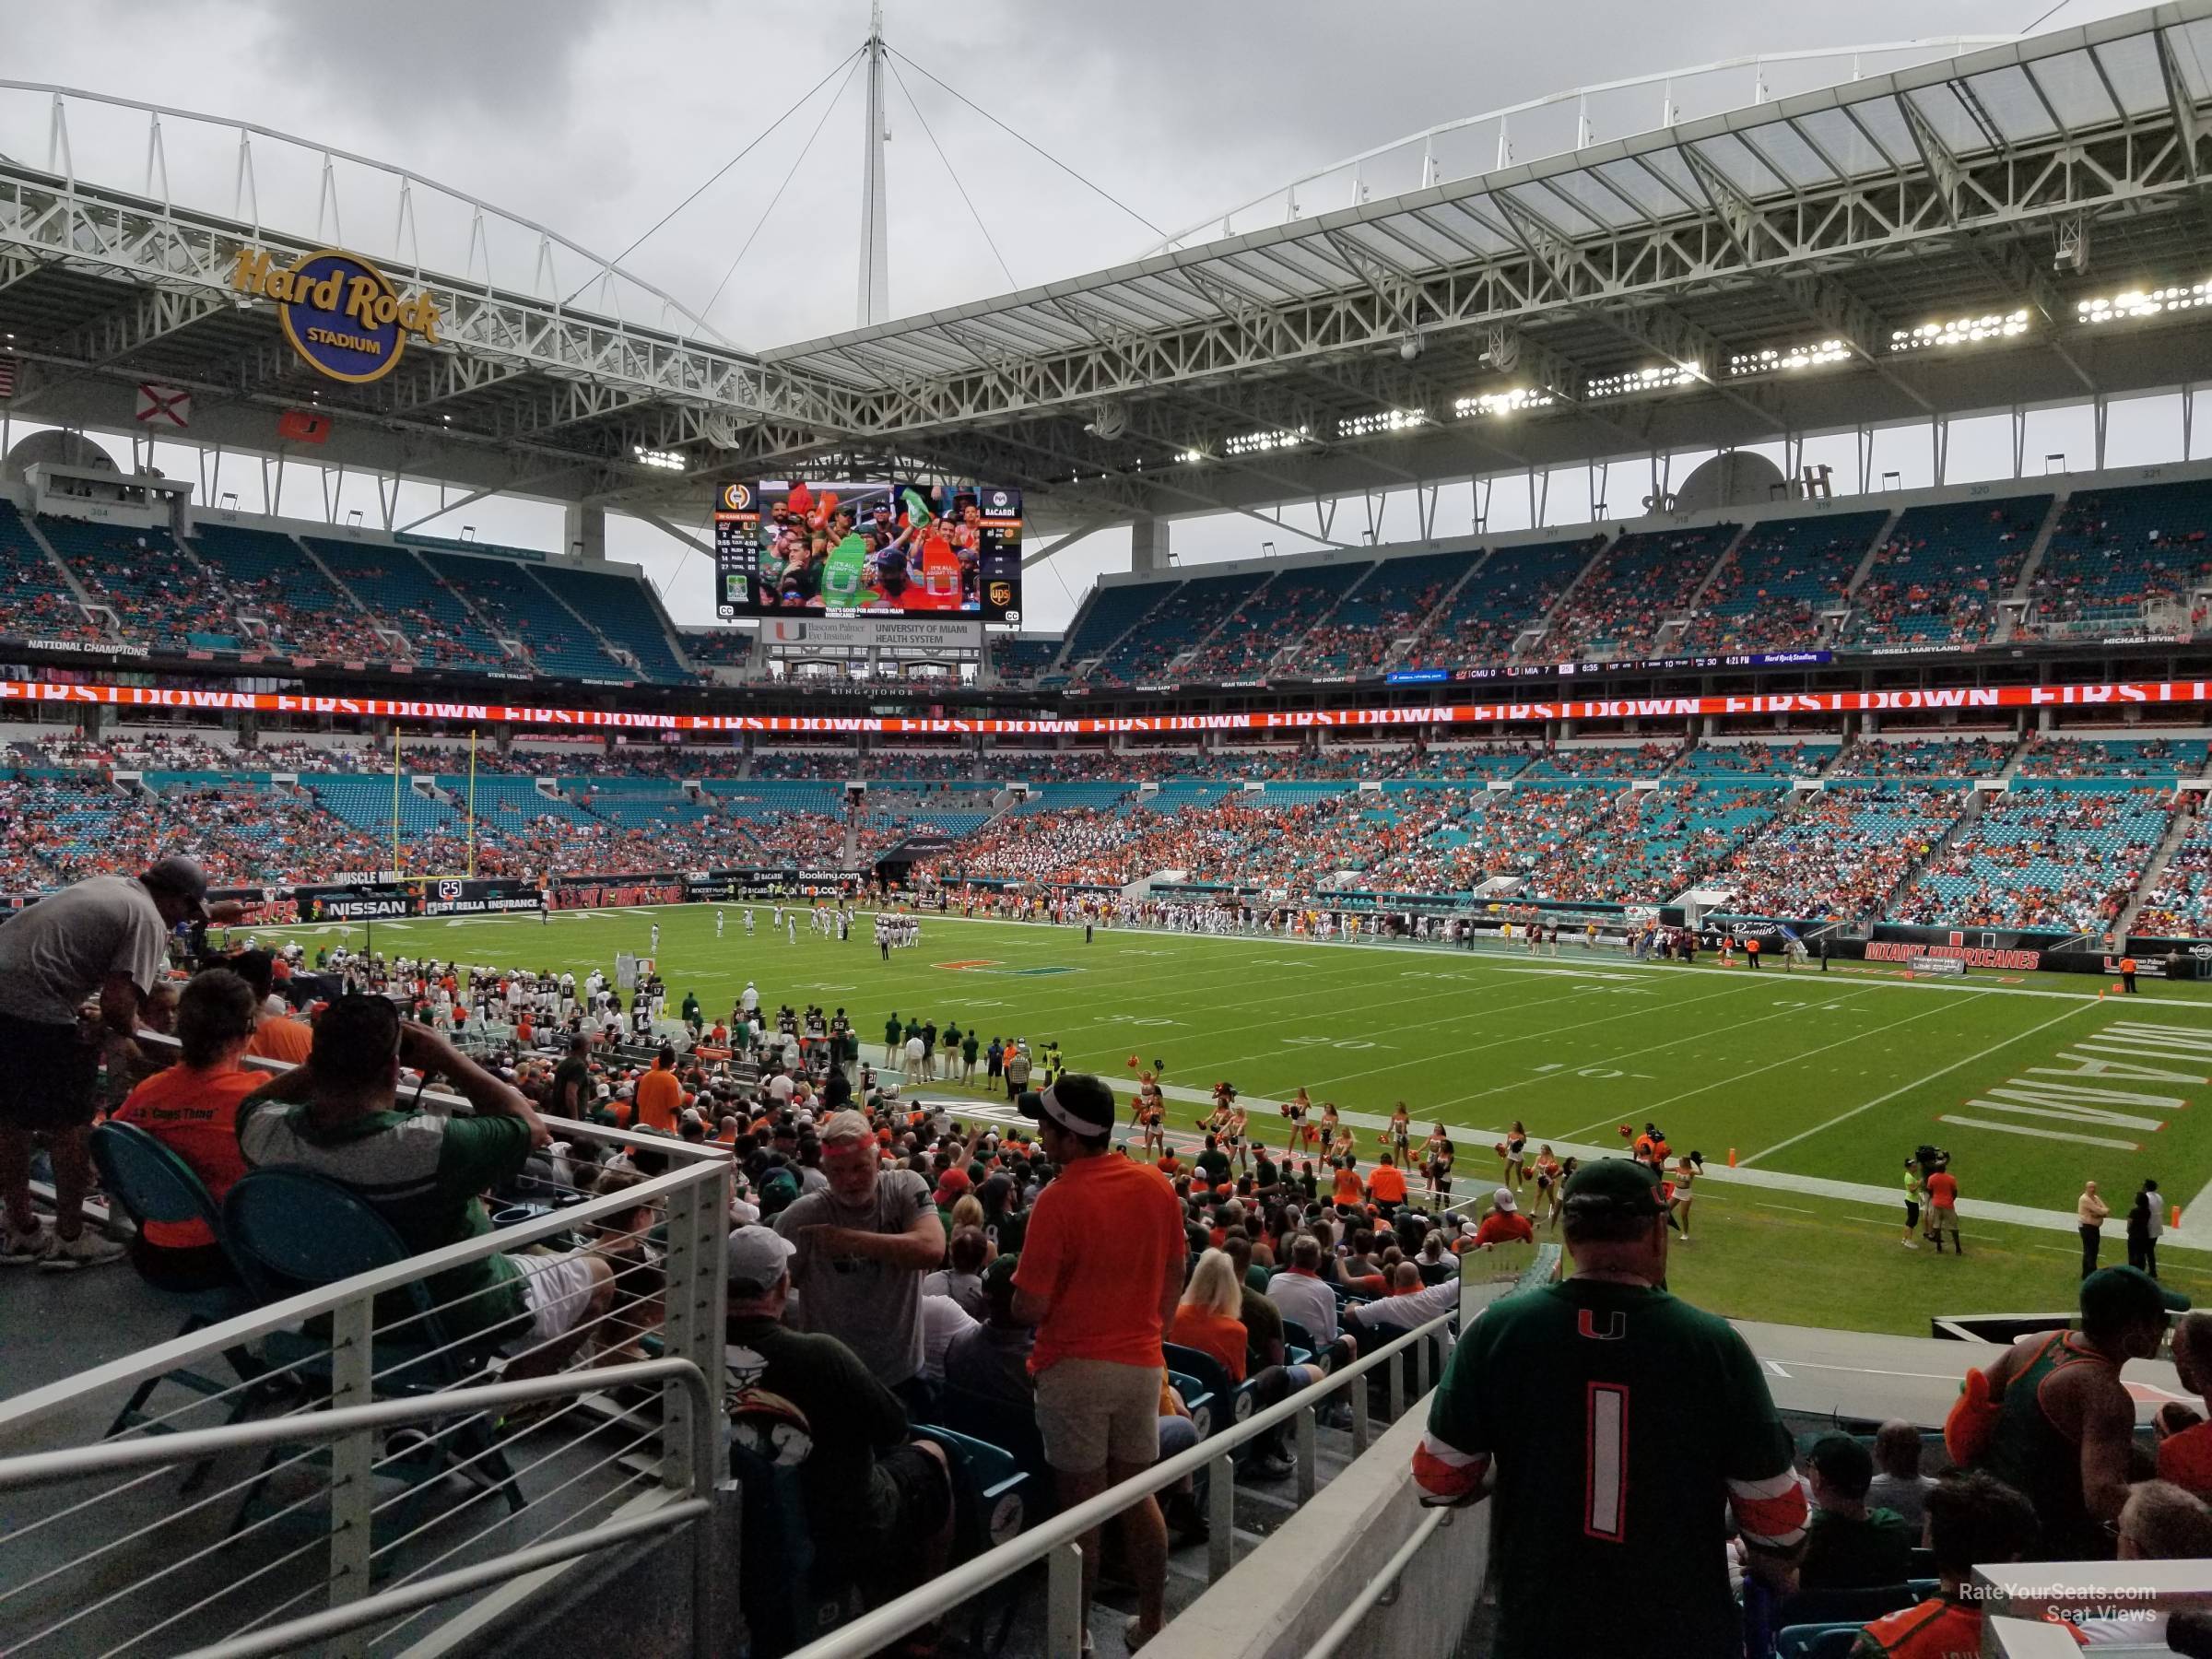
column 152, row 1183
column 991, row 1490
column 1198, row 1399
column 1816, row 1641
column 1298, row 1346
column 294, row 1231
column 1213, row 1376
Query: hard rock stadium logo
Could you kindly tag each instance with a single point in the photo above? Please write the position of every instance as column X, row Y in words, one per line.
column 341, row 313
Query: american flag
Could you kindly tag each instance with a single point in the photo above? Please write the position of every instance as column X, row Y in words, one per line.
column 7, row 377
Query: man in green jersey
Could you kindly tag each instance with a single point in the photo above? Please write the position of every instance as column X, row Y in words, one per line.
column 1672, row 1418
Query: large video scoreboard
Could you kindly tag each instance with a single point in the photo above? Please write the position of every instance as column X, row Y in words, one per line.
column 864, row 547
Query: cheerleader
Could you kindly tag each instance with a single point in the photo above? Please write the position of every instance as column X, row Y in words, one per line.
column 1235, row 1144
column 1436, row 1163
column 1516, row 1152
column 1398, row 1136
column 1688, row 1167
column 1294, row 1111
column 1154, row 1119
column 1550, row 1178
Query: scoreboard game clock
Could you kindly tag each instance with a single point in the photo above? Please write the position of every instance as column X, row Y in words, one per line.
column 867, row 547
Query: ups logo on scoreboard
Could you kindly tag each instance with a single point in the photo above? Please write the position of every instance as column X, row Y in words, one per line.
column 1000, row 594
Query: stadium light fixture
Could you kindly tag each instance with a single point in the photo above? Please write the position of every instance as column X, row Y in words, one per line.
column 1259, row 443
column 1785, row 359
column 1501, row 403
column 1382, row 420
column 1960, row 331
column 2145, row 302
column 665, row 460
column 1665, row 377
column 1188, row 457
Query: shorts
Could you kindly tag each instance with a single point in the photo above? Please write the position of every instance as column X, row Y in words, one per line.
column 923, row 1502
column 1091, row 1412
column 1911, row 1213
column 556, row 1290
column 1941, row 1216
column 48, row 1081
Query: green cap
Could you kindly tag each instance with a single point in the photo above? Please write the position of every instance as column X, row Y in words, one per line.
column 1614, row 1184
column 998, row 1280
column 2120, row 1295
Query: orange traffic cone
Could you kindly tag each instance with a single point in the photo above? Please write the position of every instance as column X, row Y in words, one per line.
column 1732, row 1158
column 2177, row 1215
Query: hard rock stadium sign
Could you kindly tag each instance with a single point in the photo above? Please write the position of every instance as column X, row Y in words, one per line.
column 341, row 313
column 2113, row 695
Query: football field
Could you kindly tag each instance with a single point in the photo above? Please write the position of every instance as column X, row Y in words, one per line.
column 1818, row 1085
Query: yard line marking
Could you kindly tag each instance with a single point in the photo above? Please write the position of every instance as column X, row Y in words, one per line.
column 1736, row 1078
column 1918, row 1082
column 1794, row 1209
column 1774, row 1366
column 2064, row 1134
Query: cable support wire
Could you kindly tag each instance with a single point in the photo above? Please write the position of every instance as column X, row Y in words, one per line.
column 922, row 122
column 1095, row 188
column 850, row 57
column 828, row 109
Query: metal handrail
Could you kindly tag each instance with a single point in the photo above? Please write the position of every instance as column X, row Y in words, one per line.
column 189, row 1445
column 51, row 1468
column 924, row 1604
column 30, row 1408
column 1372, row 1593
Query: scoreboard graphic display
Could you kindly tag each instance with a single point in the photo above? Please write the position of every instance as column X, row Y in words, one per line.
column 864, row 547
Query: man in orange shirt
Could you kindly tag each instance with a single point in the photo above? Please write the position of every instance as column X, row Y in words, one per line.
column 1973, row 1521
column 1100, row 1275
column 1386, row 1186
column 1505, row 1223
column 1348, row 1193
column 277, row 1036
column 192, row 1108
column 660, row 1095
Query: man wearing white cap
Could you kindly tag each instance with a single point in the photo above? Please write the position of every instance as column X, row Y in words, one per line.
column 110, row 935
column 1505, row 1223
column 878, row 1505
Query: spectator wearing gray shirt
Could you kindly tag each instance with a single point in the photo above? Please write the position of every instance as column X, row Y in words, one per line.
column 1897, row 1483
column 864, row 1246
column 107, row 936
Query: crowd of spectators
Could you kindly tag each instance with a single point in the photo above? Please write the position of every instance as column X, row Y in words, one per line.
column 2067, row 859
column 1841, row 855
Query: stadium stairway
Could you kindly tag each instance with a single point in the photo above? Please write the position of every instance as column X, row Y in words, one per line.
column 2177, row 831
column 29, row 524
column 2023, row 591
column 1835, row 630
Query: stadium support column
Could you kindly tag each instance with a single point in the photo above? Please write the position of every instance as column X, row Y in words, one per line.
column 1149, row 546
column 584, row 532
column 874, row 208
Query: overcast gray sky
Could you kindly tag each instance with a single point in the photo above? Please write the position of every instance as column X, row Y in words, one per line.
column 596, row 118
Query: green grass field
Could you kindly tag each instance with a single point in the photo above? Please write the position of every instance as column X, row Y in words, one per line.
column 2033, row 1083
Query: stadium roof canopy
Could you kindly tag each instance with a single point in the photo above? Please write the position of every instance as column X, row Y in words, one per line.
column 2016, row 225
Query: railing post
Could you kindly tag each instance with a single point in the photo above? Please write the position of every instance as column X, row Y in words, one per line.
column 352, row 1488
column 691, row 1325
column 1220, row 1517
column 1420, row 1369
column 1397, row 1385
column 1357, row 1390
column 1308, row 1463
column 1063, row 1602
